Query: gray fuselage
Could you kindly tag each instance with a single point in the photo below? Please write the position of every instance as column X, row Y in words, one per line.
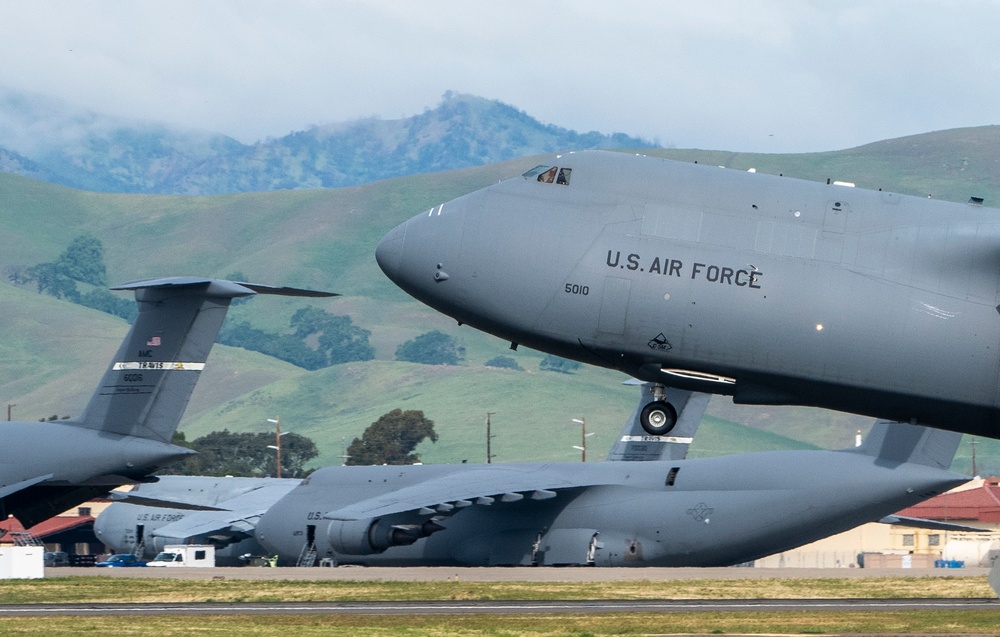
column 770, row 289
column 714, row 512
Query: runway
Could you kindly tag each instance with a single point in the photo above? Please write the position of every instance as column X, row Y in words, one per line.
column 451, row 607
column 513, row 574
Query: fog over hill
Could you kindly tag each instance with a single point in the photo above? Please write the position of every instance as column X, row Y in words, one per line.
column 57, row 142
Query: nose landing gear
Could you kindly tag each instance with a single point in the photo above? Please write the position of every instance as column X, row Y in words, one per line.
column 658, row 417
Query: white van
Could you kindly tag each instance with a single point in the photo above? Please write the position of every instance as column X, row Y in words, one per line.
column 199, row 555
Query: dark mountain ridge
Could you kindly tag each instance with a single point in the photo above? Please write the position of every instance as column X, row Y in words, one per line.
column 54, row 141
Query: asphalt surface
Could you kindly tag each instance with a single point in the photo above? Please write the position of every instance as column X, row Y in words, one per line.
column 516, row 574
column 452, row 607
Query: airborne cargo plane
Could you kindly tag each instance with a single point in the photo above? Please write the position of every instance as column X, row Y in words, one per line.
column 769, row 289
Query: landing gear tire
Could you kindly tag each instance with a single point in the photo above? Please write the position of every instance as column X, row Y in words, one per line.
column 658, row 418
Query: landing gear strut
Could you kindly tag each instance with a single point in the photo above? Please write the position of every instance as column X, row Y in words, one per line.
column 658, row 417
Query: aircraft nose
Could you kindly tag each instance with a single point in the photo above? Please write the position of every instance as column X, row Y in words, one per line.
column 389, row 252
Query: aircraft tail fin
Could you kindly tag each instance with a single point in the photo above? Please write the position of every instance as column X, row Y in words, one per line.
column 896, row 443
column 145, row 390
column 635, row 444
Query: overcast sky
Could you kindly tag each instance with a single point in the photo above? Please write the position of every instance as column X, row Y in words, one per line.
column 769, row 76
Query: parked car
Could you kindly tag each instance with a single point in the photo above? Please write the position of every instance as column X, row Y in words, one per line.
column 122, row 559
column 55, row 558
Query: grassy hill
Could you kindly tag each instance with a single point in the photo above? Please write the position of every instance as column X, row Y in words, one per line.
column 952, row 164
column 53, row 352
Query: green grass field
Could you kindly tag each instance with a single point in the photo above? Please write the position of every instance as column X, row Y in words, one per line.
column 104, row 589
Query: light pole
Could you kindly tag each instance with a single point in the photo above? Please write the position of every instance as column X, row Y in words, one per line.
column 583, row 438
column 277, row 442
column 489, row 437
column 343, row 451
column 9, row 407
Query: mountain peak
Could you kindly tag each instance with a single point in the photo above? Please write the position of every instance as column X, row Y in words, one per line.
column 82, row 149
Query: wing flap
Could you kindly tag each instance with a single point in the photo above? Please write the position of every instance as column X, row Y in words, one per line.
column 474, row 487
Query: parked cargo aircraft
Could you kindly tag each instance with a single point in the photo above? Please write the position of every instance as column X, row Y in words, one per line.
column 126, row 429
column 769, row 289
column 647, row 506
column 225, row 511
column 191, row 510
column 695, row 512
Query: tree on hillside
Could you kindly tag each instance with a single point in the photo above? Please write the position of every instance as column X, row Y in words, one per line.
column 552, row 363
column 320, row 339
column 104, row 301
column 431, row 348
column 286, row 347
column 504, row 362
column 338, row 340
column 52, row 281
column 222, row 453
column 83, row 261
column 391, row 439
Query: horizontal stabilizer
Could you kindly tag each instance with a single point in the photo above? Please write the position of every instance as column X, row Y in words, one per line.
column 896, row 443
column 934, row 525
column 221, row 287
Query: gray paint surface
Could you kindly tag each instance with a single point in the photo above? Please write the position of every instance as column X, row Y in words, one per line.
column 678, row 512
column 661, row 511
column 770, row 289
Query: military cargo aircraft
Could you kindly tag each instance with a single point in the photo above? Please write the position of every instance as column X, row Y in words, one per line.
column 224, row 511
column 191, row 510
column 125, row 431
column 769, row 289
column 646, row 506
column 675, row 512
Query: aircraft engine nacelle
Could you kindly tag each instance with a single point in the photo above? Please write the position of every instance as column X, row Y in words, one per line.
column 365, row 537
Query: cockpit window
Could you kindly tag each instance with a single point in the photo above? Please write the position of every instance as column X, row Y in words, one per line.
column 534, row 172
column 550, row 175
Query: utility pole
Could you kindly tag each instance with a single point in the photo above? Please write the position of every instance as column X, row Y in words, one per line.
column 489, row 437
column 583, row 438
column 9, row 407
column 277, row 442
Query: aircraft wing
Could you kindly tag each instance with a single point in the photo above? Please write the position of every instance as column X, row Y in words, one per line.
column 234, row 517
column 139, row 500
column 475, row 486
column 934, row 525
column 214, row 523
column 23, row 484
